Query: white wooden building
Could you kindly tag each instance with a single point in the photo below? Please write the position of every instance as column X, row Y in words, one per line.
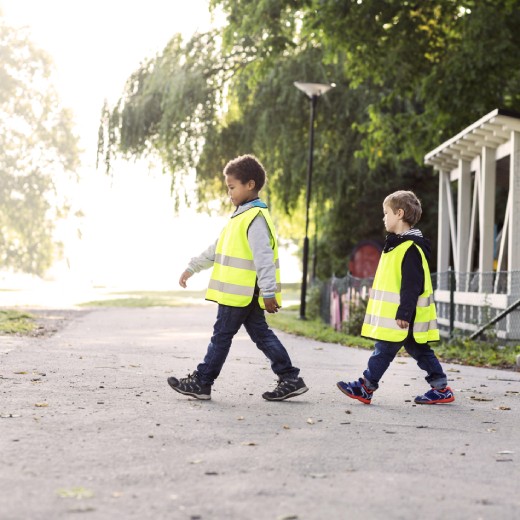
column 479, row 224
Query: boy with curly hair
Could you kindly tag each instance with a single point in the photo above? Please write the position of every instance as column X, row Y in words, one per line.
column 245, row 281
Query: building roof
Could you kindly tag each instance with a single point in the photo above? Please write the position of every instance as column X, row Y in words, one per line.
column 491, row 130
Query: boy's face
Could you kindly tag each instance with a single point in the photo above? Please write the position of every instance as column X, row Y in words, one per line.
column 240, row 193
column 392, row 220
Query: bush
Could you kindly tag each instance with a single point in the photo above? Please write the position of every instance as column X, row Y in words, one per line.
column 478, row 353
column 356, row 317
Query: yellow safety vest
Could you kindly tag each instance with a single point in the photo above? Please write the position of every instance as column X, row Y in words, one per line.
column 380, row 322
column 233, row 278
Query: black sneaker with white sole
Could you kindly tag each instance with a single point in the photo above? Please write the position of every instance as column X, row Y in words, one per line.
column 286, row 388
column 191, row 386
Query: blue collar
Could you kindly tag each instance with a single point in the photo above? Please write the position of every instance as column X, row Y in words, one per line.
column 256, row 203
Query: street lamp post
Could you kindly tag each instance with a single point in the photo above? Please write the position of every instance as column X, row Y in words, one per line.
column 313, row 91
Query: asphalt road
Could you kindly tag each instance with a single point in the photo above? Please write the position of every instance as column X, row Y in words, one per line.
column 90, row 429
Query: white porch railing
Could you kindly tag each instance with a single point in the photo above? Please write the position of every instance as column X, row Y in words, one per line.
column 467, row 301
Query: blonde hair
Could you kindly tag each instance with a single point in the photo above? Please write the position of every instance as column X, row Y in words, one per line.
column 408, row 202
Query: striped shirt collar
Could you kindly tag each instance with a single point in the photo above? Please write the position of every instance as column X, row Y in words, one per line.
column 412, row 232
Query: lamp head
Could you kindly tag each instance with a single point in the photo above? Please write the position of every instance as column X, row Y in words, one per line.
column 313, row 89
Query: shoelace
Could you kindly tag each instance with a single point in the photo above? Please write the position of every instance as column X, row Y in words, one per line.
column 191, row 378
column 282, row 385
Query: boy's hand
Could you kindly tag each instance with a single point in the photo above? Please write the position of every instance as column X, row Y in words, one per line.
column 403, row 324
column 271, row 305
column 184, row 278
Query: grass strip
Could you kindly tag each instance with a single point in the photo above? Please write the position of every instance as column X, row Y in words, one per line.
column 16, row 322
column 459, row 350
column 289, row 321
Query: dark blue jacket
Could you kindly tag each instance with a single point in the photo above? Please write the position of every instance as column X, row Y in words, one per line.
column 412, row 283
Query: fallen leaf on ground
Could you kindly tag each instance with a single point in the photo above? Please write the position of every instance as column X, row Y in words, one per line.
column 82, row 509
column 310, row 421
column 41, row 405
column 75, row 492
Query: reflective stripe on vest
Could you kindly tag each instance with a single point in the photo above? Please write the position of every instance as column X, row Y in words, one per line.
column 380, row 322
column 234, row 277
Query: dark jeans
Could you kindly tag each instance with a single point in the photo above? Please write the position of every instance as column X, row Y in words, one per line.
column 385, row 352
column 229, row 321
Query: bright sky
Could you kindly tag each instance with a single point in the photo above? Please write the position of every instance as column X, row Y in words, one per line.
column 130, row 236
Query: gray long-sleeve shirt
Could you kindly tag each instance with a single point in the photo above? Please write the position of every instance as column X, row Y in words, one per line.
column 259, row 238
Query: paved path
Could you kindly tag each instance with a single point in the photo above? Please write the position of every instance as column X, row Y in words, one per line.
column 90, row 429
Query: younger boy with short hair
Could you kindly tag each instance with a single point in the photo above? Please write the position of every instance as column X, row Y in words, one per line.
column 401, row 310
column 245, row 280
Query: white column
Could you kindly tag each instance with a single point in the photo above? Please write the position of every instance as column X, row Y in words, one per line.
column 487, row 217
column 463, row 215
column 513, row 253
column 443, row 237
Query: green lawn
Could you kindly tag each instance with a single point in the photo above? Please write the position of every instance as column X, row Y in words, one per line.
column 181, row 297
column 149, row 299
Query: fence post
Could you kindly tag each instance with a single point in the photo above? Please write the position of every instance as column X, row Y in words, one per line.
column 451, row 285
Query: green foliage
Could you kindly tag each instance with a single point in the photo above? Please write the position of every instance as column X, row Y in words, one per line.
column 16, row 322
column 428, row 60
column 37, row 149
column 313, row 301
column 408, row 76
column 169, row 106
column 356, row 317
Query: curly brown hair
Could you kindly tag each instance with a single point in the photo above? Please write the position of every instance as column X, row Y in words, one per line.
column 247, row 168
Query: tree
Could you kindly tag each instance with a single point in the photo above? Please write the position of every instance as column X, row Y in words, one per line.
column 37, row 147
column 408, row 75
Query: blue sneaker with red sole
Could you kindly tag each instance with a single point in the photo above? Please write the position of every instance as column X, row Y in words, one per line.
column 356, row 390
column 436, row 396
